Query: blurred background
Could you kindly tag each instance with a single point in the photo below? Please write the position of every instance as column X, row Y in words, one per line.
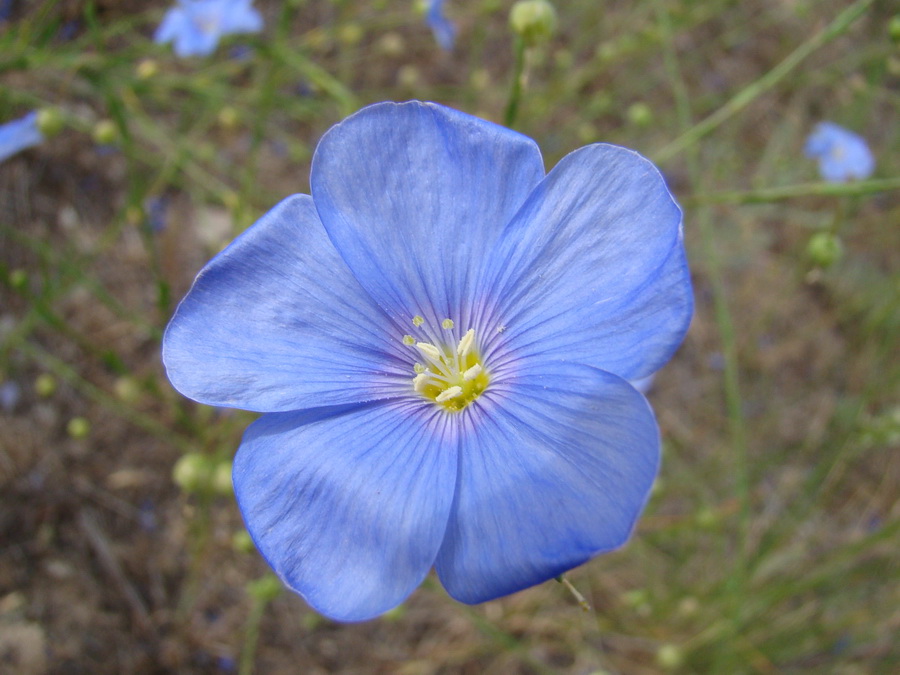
column 770, row 544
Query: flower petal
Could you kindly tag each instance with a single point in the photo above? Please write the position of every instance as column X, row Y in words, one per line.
column 592, row 268
column 555, row 466
column 444, row 31
column 173, row 24
column 349, row 505
column 277, row 322
column 632, row 335
column 241, row 17
column 413, row 196
column 19, row 135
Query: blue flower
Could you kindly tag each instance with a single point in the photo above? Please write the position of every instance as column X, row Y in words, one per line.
column 19, row 135
column 196, row 26
column 842, row 154
column 441, row 337
column 444, row 31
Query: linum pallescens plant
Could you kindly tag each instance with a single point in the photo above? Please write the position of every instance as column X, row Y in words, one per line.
column 416, row 333
column 843, row 156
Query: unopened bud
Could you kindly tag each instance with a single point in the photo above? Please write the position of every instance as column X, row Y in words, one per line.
column 105, row 132
column 191, row 472
column 669, row 657
column 824, row 249
column 533, row 20
column 78, row 427
column 146, row 69
column 45, row 385
column 49, row 121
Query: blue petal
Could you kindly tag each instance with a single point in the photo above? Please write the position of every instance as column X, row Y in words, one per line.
column 555, row 466
column 414, row 195
column 842, row 154
column 444, row 31
column 241, row 18
column 173, row 24
column 349, row 506
column 592, row 269
column 19, row 135
column 276, row 322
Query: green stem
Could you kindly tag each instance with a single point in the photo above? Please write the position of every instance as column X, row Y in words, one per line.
column 251, row 635
column 515, row 92
column 733, row 401
column 751, row 92
column 774, row 194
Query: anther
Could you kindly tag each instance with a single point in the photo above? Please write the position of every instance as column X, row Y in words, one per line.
column 472, row 372
column 447, row 394
column 420, row 380
column 430, row 351
column 465, row 344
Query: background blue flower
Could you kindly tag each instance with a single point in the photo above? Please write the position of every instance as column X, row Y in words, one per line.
column 196, row 26
column 441, row 337
column 842, row 154
column 444, row 31
column 19, row 135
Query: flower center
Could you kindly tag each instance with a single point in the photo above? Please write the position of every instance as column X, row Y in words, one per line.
column 451, row 375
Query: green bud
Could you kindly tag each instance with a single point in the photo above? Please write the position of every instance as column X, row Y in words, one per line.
column 45, row 385
column 127, row 389
column 894, row 28
column 350, row 34
column 824, row 249
column 18, row 279
column 640, row 114
column 533, row 20
column 49, row 121
column 221, row 479
column 146, row 69
column 192, row 472
column 636, row 597
column 688, row 606
column 78, row 427
column 265, row 588
column 105, row 132
column 706, row 517
column 391, row 44
column 229, row 117
column 669, row 657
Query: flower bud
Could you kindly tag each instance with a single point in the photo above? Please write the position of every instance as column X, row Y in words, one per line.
column 45, row 385
column 78, row 427
column 105, row 132
column 18, row 278
column 669, row 657
column 894, row 28
column 146, row 69
column 824, row 249
column 229, row 117
column 221, row 479
column 49, row 121
column 533, row 20
column 192, row 472
column 640, row 114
